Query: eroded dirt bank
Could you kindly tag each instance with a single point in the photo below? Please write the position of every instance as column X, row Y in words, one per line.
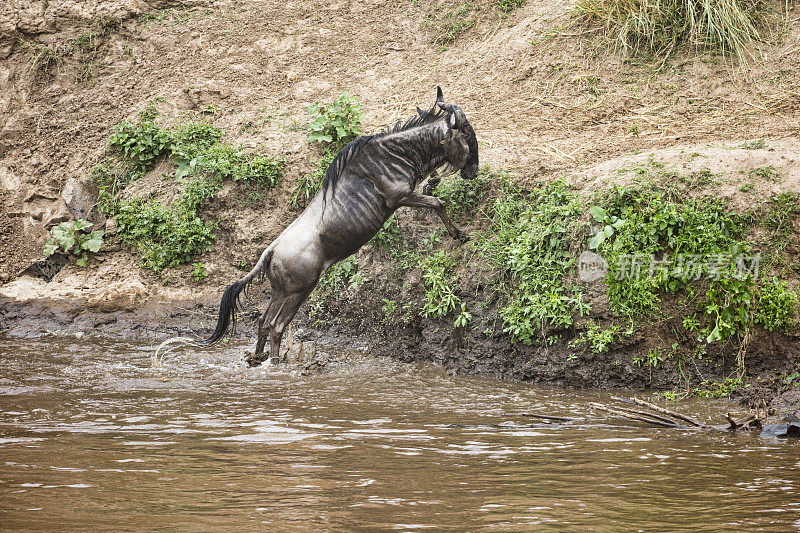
column 546, row 102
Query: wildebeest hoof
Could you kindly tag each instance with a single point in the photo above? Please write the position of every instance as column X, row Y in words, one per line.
column 253, row 360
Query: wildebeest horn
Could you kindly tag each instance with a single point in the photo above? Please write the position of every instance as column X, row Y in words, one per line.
column 440, row 101
column 422, row 113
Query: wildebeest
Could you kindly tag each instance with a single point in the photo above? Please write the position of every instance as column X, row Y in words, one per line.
column 364, row 185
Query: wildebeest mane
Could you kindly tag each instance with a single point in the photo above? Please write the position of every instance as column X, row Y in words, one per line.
column 337, row 166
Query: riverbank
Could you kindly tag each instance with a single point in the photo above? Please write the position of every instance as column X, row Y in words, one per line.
column 576, row 138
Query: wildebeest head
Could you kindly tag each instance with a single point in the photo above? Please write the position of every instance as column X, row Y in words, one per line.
column 462, row 143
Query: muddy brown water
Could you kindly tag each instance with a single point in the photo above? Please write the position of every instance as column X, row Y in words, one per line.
column 92, row 437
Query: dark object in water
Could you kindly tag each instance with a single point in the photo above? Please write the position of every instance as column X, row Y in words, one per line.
column 782, row 431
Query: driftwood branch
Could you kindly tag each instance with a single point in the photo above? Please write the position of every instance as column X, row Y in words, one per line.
column 654, row 415
column 654, row 407
column 634, row 415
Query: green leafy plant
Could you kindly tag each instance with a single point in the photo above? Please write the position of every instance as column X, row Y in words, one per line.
column 597, row 338
column 170, row 234
column 337, row 123
column 715, row 389
column 75, row 238
column 792, row 379
column 675, row 236
column 199, row 272
column 728, row 303
column 776, row 306
column 440, row 284
column 463, row 318
column 388, row 235
column 143, row 144
column 651, row 359
column 610, row 223
column 342, row 276
column 389, row 308
column 111, row 178
column 528, row 243
column 165, row 235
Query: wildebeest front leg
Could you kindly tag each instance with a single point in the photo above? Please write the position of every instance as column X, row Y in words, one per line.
column 420, row 200
column 433, row 181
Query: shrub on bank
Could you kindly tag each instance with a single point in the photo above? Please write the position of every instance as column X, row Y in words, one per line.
column 167, row 235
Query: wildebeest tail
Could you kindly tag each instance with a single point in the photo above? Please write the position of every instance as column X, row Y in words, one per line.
column 229, row 304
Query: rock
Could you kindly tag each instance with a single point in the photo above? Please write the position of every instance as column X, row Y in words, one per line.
column 781, row 431
column 786, row 403
column 79, row 197
column 110, row 228
column 57, row 214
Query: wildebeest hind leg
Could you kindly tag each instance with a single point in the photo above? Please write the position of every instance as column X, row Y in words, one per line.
column 288, row 309
column 258, row 357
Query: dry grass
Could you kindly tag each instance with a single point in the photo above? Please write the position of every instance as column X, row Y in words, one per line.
column 43, row 58
column 658, row 26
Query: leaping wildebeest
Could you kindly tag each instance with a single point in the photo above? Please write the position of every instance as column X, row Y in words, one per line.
column 364, row 185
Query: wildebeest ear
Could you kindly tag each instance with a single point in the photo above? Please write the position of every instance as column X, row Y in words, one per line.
column 422, row 113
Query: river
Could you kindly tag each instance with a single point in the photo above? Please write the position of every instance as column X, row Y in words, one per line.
column 94, row 437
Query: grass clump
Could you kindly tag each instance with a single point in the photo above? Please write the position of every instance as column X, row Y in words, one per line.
column 42, row 58
column 449, row 22
column 528, row 244
column 783, row 210
column 767, row 173
column 658, row 26
column 507, row 6
column 309, row 184
column 462, row 197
